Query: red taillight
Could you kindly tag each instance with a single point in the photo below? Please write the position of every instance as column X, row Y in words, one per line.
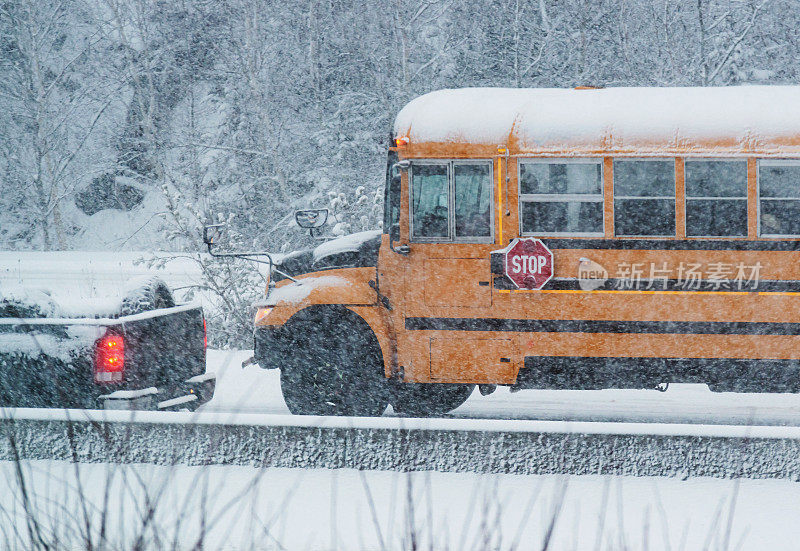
column 205, row 334
column 109, row 359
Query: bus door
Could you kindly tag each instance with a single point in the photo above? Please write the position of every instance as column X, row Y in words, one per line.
column 447, row 279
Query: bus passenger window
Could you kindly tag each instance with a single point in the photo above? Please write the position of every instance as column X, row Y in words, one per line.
column 429, row 184
column 561, row 197
column 473, row 183
column 644, row 198
column 716, row 198
column 779, row 198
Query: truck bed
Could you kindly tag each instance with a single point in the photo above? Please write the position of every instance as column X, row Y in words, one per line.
column 50, row 362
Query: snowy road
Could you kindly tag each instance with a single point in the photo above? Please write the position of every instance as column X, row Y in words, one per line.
column 254, row 390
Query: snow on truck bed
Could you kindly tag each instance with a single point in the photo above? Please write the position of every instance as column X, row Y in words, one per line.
column 741, row 117
column 33, row 345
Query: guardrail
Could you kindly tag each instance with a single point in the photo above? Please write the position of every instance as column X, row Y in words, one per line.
column 398, row 444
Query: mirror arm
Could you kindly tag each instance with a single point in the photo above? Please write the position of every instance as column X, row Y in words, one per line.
column 287, row 276
column 249, row 256
column 245, row 256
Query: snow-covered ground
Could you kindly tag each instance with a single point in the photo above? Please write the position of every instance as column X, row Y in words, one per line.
column 235, row 507
column 249, row 508
column 255, row 390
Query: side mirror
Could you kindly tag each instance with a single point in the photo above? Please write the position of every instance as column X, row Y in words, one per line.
column 212, row 233
column 311, row 218
column 401, row 165
column 394, row 235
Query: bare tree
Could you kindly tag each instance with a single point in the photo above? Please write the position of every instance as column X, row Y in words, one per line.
column 57, row 109
column 721, row 30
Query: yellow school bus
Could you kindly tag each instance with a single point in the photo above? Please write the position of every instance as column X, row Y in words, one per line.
column 556, row 238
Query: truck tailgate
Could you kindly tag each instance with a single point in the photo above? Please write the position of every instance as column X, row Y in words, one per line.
column 50, row 362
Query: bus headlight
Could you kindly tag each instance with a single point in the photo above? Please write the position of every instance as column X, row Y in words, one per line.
column 261, row 314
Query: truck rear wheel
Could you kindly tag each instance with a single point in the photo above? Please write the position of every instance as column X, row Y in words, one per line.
column 428, row 399
column 333, row 365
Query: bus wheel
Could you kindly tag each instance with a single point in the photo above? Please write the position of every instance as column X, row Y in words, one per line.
column 333, row 366
column 428, row 399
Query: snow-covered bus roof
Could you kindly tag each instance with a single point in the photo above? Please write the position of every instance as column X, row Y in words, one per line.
column 736, row 119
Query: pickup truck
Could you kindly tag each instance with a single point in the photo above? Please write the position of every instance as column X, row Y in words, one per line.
column 147, row 352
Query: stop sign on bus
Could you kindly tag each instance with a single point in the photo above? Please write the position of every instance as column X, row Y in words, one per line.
column 528, row 263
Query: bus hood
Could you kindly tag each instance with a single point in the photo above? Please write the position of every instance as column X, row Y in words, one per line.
column 357, row 250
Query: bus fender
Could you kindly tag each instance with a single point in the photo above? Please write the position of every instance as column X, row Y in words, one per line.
column 345, row 287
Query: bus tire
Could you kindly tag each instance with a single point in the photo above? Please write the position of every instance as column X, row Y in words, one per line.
column 333, row 365
column 428, row 399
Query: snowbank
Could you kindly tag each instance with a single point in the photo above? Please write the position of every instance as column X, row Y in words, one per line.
column 403, row 423
column 443, row 445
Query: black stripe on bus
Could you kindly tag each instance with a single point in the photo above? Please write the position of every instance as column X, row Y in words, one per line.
column 674, row 244
column 730, row 285
column 621, row 284
column 604, row 326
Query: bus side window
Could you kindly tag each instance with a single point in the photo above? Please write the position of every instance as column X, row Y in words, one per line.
column 561, row 197
column 779, row 198
column 644, row 198
column 716, row 198
column 430, row 205
column 473, row 199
